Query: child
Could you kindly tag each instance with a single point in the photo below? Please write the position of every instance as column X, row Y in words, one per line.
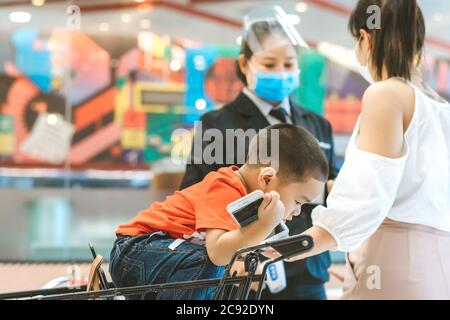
column 191, row 236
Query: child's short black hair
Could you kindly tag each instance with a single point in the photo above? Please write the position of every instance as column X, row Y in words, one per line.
column 299, row 154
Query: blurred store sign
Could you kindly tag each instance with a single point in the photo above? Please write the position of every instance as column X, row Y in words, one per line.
column 33, row 58
column 211, row 79
column 158, row 97
column 160, row 127
column 133, row 132
column 152, row 43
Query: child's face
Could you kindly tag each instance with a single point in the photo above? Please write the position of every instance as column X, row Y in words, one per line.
column 293, row 195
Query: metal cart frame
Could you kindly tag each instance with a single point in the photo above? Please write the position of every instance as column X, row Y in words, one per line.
column 229, row 287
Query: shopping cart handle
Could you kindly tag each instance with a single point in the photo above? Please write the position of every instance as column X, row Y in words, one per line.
column 292, row 246
column 288, row 248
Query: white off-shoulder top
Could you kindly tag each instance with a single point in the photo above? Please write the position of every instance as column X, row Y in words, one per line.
column 413, row 189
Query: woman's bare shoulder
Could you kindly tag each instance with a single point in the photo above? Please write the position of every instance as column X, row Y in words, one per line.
column 392, row 96
column 384, row 118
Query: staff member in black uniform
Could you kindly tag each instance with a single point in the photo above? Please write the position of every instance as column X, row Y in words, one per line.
column 268, row 66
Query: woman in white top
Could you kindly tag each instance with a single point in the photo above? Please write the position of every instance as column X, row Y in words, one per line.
column 389, row 208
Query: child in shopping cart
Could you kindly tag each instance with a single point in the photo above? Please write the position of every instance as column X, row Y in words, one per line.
column 191, row 236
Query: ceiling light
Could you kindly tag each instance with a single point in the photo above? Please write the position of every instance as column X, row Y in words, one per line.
column 52, row 119
column 38, row 3
column 125, row 18
column 301, row 7
column 20, row 17
column 200, row 104
column 145, row 24
column 103, row 27
column 145, row 41
column 175, row 65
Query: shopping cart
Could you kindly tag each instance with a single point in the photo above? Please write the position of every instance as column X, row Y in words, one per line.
column 229, row 287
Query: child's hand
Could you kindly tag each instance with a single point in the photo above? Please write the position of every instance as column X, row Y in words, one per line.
column 271, row 210
column 239, row 268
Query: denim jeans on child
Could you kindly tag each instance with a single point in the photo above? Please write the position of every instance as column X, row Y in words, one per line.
column 147, row 259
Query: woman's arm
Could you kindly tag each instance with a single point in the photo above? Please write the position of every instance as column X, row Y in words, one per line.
column 323, row 241
column 354, row 209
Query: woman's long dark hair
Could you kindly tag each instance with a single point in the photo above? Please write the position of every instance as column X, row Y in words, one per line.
column 398, row 43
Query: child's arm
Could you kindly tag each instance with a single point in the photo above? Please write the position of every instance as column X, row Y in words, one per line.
column 221, row 244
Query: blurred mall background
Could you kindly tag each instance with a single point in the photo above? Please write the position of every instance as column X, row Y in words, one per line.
column 91, row 91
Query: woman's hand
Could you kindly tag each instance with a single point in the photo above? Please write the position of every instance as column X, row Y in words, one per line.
column 271, row 253
column 323, row 241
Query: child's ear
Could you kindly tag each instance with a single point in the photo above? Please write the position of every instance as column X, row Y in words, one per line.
column 266, row 175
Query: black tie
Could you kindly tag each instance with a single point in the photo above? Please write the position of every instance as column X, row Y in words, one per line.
column 279, row 114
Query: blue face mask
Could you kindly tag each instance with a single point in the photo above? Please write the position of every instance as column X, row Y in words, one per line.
column 275, row 86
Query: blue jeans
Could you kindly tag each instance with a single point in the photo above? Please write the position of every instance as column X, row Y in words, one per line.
column 146, row 259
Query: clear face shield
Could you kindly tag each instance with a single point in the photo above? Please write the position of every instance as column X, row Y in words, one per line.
column 269, row 27
column 271, row 36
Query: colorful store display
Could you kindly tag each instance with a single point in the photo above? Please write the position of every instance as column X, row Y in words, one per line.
column 118, row 100
column 6, row 137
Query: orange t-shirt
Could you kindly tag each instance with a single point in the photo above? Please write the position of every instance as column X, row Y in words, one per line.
column 188, row 213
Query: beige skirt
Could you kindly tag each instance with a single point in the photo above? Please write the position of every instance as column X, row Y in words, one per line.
column 400, row 261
